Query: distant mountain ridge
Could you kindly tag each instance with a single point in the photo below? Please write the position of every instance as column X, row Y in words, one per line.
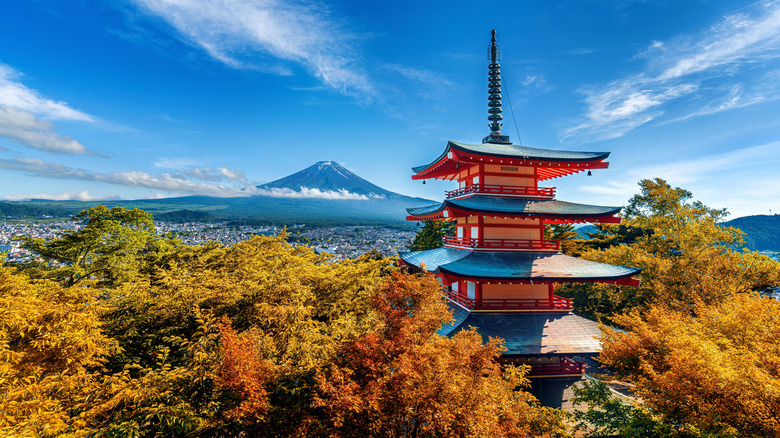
column 325, row 193
column 762, row 232
column 329, row 176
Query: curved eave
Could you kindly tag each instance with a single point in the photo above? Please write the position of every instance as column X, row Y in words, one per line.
column 517, row 266
column 550, row 163
column 531, row 334
column 551, row 211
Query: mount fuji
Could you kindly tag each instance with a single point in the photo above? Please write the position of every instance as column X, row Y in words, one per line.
column 329, row 176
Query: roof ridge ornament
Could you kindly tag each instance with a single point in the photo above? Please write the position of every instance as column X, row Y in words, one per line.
column 494, row 94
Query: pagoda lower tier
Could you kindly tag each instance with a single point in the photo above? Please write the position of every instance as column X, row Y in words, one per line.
column 549, row 342
column 512, row 281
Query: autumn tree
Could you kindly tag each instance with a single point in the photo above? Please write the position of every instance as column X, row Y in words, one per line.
column 401, row 379
column 431, row 234
column 254, row 339
column 716, row 373
column 686, row 256
column 109, row 246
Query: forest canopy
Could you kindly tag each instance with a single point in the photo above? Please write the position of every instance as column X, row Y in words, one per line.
column 117, row 331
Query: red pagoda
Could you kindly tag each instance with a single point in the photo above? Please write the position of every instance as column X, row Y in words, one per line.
column 499, row 272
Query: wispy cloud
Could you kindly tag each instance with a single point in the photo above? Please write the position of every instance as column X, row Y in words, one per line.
column 689, row 170
column 25, row 129
column 239, row 33
column 25, row 117
column 306, row 192
column 580, row 51
column 164, row 181
column 679, row 68
column 81, row 195
column 14, row 94
column 218, row 174
column 170, row 183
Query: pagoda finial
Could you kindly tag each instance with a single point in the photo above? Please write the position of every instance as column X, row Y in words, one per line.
column 494, row 94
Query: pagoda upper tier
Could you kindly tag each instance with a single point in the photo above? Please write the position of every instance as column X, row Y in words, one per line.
column 543, row 163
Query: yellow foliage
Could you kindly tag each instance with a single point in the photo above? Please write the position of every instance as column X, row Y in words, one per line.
column 718, row 371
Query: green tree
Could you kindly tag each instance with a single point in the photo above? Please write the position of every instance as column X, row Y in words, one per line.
column 110, row 246
column 609, row 415
column 563, row 233
column 431, row 234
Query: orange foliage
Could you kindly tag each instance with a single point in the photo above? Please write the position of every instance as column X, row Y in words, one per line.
column 717, row 372
column 245, row 372
column 401, row 379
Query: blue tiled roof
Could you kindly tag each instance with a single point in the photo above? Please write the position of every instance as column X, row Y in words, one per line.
column 516, row 151
column 514, row 265
column 517, row 206
column 534, row 333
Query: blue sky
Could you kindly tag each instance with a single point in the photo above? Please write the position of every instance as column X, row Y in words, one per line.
column 157, row 98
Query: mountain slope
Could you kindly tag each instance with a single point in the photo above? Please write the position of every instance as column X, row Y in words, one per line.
column 328, row 176
column 762, row 232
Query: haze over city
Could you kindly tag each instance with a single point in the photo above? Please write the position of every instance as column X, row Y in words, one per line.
column 155, row 98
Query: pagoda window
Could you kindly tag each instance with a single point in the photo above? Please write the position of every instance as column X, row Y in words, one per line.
column 471, row 290
column 456, row 286
column 460, row 231
column 475, row 180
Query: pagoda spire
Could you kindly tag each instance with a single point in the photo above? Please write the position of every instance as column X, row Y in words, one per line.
column 494, row 94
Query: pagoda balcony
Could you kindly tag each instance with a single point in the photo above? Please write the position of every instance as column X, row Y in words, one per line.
column 556, row 304
column 484, row 189
column 565, row 367
column 536, row 245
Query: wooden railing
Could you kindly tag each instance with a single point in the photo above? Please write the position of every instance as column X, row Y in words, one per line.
column 502, row 243
column 540, row 192
column 557, row 303
column 565, row 366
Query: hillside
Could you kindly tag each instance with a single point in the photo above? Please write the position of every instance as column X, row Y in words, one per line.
column 762, row 232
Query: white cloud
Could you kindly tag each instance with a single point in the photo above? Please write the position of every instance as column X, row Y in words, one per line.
column 679, row 68
column 234, row 32
column 171, row 183
column 81, row 195
column 687, row 171
column 25, row 129
column 15, row 95
column 25, row 117
column 165, row 182
column 175, row 163
column 306, row 192
column 218, row 174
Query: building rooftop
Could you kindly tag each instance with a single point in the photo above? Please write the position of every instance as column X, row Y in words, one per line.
column 535, row 333
column 513, row 151
column 506, row 265
column 516, row 207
